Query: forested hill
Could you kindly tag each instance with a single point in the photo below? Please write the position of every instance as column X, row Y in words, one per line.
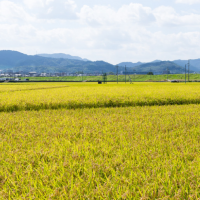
column 194, row 64
column 159, row 67
column 22, row 62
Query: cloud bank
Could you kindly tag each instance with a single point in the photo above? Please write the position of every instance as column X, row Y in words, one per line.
column 190, row 2
column 132, row 32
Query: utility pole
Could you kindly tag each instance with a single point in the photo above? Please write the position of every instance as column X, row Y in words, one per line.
column 82, row 73
column 134, row 74
column 188, row 70
column 150, row 73
column 167, row 73
column 125, row 73
column 185, row 74
column 117, row 73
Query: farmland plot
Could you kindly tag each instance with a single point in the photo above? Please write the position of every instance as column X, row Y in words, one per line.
column 110, row 143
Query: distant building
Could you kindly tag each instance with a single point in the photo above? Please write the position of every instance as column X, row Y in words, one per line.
column 17, row 75
column 58, row 74
column 32, row 74
column 43, row 74
column 9, row 71
column 20, row 72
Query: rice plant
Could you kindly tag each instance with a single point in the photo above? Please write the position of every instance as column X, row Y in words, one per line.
column 74, row 141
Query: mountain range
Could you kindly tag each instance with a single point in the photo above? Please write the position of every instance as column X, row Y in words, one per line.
column 194, row 64
column 158, row 67
column 17, row 61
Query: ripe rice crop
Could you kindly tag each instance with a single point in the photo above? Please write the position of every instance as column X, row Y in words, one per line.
column 55, row 96
column 94, row 149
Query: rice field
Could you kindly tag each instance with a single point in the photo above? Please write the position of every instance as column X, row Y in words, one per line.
column 89, row 141
column 89, row 95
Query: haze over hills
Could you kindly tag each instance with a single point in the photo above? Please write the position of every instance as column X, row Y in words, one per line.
column 66, row 63
column 129, row 64
column 159, row 67
column 62, row 55
column 194, row 64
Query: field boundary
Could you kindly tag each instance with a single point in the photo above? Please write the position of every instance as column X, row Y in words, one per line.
column 107, row 104
column 92, row 82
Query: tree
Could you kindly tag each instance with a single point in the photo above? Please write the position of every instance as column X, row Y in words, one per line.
column 150, row 73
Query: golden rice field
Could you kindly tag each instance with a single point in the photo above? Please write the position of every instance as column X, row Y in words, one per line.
column 91, row 95
column 89, row 141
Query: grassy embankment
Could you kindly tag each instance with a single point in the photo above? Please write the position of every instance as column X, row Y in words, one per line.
column 90, row 141
column 121, row 78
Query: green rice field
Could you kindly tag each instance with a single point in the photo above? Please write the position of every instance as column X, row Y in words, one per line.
column 121, row 78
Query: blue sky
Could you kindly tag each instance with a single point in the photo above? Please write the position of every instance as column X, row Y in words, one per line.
column 113, row 31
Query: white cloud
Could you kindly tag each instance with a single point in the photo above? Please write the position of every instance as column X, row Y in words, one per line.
column 109, row 44
column 34, row 3
column 103, row 15
column 98, row 15
column 167, row 16
column 53, row 9
column 190, row 2
column 136, row 15
column 132, row 32
column 13, row 13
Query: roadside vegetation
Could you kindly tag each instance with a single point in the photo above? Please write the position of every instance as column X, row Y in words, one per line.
column 121, row 78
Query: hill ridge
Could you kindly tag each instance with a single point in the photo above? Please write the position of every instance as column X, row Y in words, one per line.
column 14, row 60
